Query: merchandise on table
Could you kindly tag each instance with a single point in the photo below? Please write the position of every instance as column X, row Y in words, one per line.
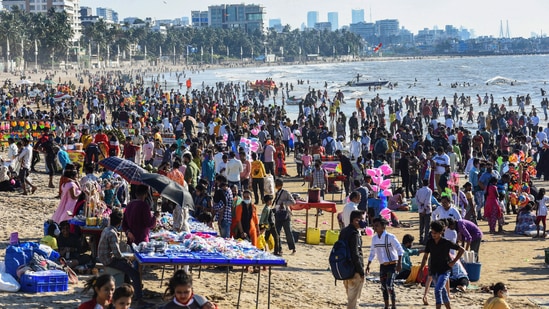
column 170, row 247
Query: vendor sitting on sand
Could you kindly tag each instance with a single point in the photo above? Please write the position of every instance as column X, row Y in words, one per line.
column 396, row 201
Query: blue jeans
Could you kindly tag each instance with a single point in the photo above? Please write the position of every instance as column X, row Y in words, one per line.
column 225, row 228
column 441, row 295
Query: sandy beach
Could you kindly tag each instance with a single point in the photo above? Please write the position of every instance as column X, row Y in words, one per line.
column 306, row 282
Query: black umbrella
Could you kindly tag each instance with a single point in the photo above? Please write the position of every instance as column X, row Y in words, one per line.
column 125, row 168
column 169, row 189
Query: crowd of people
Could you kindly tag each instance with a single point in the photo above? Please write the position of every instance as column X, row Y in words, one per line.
column 230, row 147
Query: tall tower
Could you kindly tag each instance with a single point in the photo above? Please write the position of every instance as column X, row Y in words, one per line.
column 357, row 16
column 501, row 29
column 333, row 19
column 312, row 19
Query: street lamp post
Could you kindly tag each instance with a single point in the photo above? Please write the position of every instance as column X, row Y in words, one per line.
column 35, row 55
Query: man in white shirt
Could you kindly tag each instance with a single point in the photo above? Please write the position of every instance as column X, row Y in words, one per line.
column 13, row 151
column 234, row 168
column 148, row 151
column 442, row 160
column 387, row 249
column 446, row 211
column 423, row 200
column 354, row 198
column 25, row 157
column 356, row 147
column 218, row 159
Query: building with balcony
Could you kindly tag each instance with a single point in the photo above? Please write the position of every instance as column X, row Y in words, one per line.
column 72, row 7
column 247, row 17
column 108, row 15
column 199, row 19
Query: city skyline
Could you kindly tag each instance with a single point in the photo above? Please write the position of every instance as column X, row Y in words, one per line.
column 483, row 17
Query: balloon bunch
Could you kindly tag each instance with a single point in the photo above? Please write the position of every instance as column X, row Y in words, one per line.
column 382, row 186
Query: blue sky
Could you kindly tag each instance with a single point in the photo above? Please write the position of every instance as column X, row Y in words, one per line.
column 525, row 17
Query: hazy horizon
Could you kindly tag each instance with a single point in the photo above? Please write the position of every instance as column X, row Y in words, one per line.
column 484, row 17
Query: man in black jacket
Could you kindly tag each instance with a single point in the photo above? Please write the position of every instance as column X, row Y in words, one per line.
column 351, row 234
column 346, row 169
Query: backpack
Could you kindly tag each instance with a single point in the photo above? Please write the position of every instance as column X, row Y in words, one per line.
column 330, row 146
column 380, row 147
column 340, row 261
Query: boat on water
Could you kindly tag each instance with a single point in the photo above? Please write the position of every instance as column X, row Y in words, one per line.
column 366, row 83
column 293, row 100
column 267, row 84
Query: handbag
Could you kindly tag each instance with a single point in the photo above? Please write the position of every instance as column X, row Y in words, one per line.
column 282, row 214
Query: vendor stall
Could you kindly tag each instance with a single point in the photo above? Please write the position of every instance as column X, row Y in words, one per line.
column 322, row 205
column 168, row 248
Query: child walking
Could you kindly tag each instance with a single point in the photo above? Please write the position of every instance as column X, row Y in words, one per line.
column 267, row 223
column 541, row 212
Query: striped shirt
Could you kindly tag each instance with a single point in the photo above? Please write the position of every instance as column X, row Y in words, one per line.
column 385, row 248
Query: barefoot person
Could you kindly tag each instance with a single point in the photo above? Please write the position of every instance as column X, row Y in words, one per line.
column 440, row 264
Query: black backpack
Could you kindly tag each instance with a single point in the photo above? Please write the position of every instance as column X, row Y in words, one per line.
column 330, row 146
column 340, row 261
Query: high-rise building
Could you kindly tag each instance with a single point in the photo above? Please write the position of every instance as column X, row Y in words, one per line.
column 366, row 31
column 276, row 24
column 185, row 21
column 387, row 27
column 107, row 14
column 312, row 19
column 71, row 7
column 357, row 16
column 248, row 17
column 199, row 18
column 322, row 26
column 333, row 19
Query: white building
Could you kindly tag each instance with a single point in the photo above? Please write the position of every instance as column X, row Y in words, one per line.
column 72, row 7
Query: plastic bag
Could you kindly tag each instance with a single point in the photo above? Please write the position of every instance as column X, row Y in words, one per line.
column 8, row 283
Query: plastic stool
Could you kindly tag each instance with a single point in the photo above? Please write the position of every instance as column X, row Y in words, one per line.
column 117, row 274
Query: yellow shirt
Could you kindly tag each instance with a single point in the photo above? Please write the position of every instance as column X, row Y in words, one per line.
column 86, row 140
column 496, row 303
column 158, row 136
column 258, row 169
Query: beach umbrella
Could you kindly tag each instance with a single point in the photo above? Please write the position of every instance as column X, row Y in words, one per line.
column 49, row 82
column 24, row 82
column 128, row 170
column 169, row 189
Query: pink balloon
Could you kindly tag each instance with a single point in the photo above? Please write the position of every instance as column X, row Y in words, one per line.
column 371, row 172
column 386, row 169
column 387, row 192
column 255, row 131
column 369, row 231
column 386, row 213
column 378, row 172
column 225, row 137
column 375, row 188
column 385, row 184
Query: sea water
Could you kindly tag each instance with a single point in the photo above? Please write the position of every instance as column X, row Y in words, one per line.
column 424, row 78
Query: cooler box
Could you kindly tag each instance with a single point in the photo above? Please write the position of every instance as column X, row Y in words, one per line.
column 331, row 237
column 45, row 281
column 473, row 270
column 313, row 236
column 314, row 195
